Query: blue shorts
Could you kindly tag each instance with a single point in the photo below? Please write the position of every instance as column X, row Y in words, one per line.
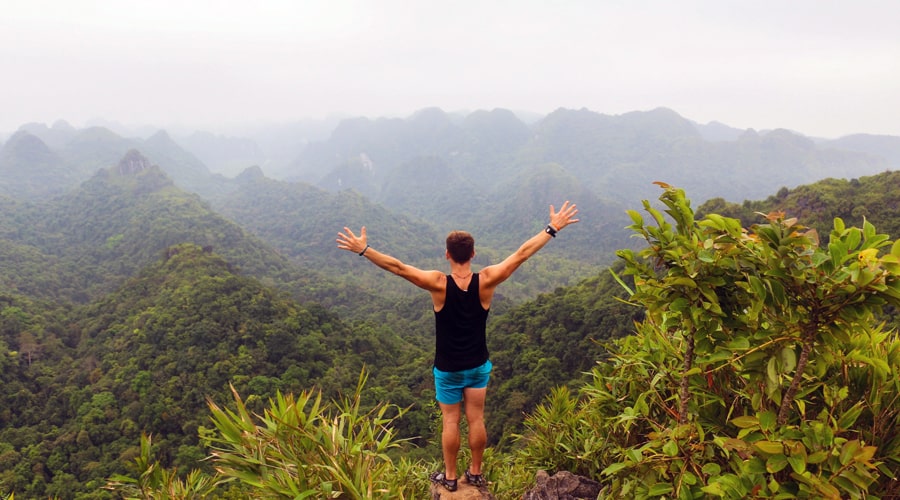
column 449, row 385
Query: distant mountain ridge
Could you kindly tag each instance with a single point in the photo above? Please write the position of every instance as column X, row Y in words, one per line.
column 485, row 171
column 886, row 146
column 28, row 165
column 616, row 156
column 77, row 155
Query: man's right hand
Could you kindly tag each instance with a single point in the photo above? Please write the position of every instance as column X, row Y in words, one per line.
column 350, row 242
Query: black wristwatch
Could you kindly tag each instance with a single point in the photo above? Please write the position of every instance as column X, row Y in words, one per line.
column 551, row 230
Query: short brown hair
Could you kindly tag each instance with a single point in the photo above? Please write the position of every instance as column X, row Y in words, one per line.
column 460, row 246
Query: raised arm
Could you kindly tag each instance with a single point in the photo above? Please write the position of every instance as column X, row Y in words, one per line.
column 427, row 280
column 491, row 276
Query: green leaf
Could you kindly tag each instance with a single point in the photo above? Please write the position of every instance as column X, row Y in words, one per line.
column 613, row 468
column 745, row 421
column 767, row 420
column 798, row 464
column 714, row 488
column 659, row 489
column 719, row 355
column 868, row 229
column 859, row 476
column 635, row 217
column 895, row 249
column 757, row 286
column 739, row 344
column 776, row 463
column 848, row 418
column 689, row 478
column 755, row 465
column 711, row 469
column 848, row 486
column 769, row 447
column 839, row 226
column 683, row 281
column 670, row 448
column 680, row 304
column 849, row 451
column 772, row 372
column 788, row 358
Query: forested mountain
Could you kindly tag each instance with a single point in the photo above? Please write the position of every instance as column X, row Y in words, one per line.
column 28, row 166
column 302, row 221
column 129, row 294
column 121, row 220
column 874, row 198
column 146, row 357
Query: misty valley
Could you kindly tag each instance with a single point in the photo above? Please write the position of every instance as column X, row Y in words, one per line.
column 156, row 288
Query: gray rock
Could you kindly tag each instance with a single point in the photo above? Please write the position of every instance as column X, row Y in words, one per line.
column 563, row 486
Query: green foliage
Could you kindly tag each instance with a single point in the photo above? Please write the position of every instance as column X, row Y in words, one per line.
column 551, row 341
column 759, row 372
column 154, row 481
column 302, row 448
column 872, row 198
column 81, row 386
column 118, row 316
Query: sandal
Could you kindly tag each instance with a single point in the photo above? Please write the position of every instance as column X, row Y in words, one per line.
column 441, row 479
column 475, row 479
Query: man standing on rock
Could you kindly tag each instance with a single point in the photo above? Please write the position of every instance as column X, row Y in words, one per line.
column 462, row 300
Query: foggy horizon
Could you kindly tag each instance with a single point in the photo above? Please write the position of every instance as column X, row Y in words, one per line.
column 821, row 69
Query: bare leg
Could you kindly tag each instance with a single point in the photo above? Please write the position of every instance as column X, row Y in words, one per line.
column 474, row 401
column 450, row 437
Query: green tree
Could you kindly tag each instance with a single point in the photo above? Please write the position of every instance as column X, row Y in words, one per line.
column 760, row 370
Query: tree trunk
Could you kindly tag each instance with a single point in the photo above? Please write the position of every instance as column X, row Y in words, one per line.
column 685, row 392
column 788, row 399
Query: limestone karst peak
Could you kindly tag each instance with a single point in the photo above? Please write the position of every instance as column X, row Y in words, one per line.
column 132, row 163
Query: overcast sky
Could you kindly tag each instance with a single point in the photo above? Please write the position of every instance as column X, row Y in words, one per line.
column 823, row 68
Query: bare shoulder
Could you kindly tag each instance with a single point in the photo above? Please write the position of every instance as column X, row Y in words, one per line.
column 491, row 276
column 429, row 280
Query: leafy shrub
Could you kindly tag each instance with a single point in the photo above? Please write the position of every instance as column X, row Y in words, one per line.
column 760, row 370
column 302, row 448
column 298, row 448
column 154, row 481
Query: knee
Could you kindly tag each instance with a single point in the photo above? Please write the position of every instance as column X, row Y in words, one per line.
column 450, row 419
column 475, row 417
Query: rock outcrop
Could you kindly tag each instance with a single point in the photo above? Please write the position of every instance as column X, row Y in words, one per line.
column 465, row 491
column 563, row 486
column 132, row 163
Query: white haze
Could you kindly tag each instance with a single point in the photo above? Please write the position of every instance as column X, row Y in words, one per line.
column 823, row 68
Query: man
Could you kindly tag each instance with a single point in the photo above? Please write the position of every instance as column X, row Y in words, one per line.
column 461, row 302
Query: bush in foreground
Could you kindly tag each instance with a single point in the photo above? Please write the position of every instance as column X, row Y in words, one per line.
column 760, row 371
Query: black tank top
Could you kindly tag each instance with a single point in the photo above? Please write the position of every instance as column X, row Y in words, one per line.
column 460, row 326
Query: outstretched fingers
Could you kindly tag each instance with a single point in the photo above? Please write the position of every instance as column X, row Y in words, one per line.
column 348, row 240
column 565, row 216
